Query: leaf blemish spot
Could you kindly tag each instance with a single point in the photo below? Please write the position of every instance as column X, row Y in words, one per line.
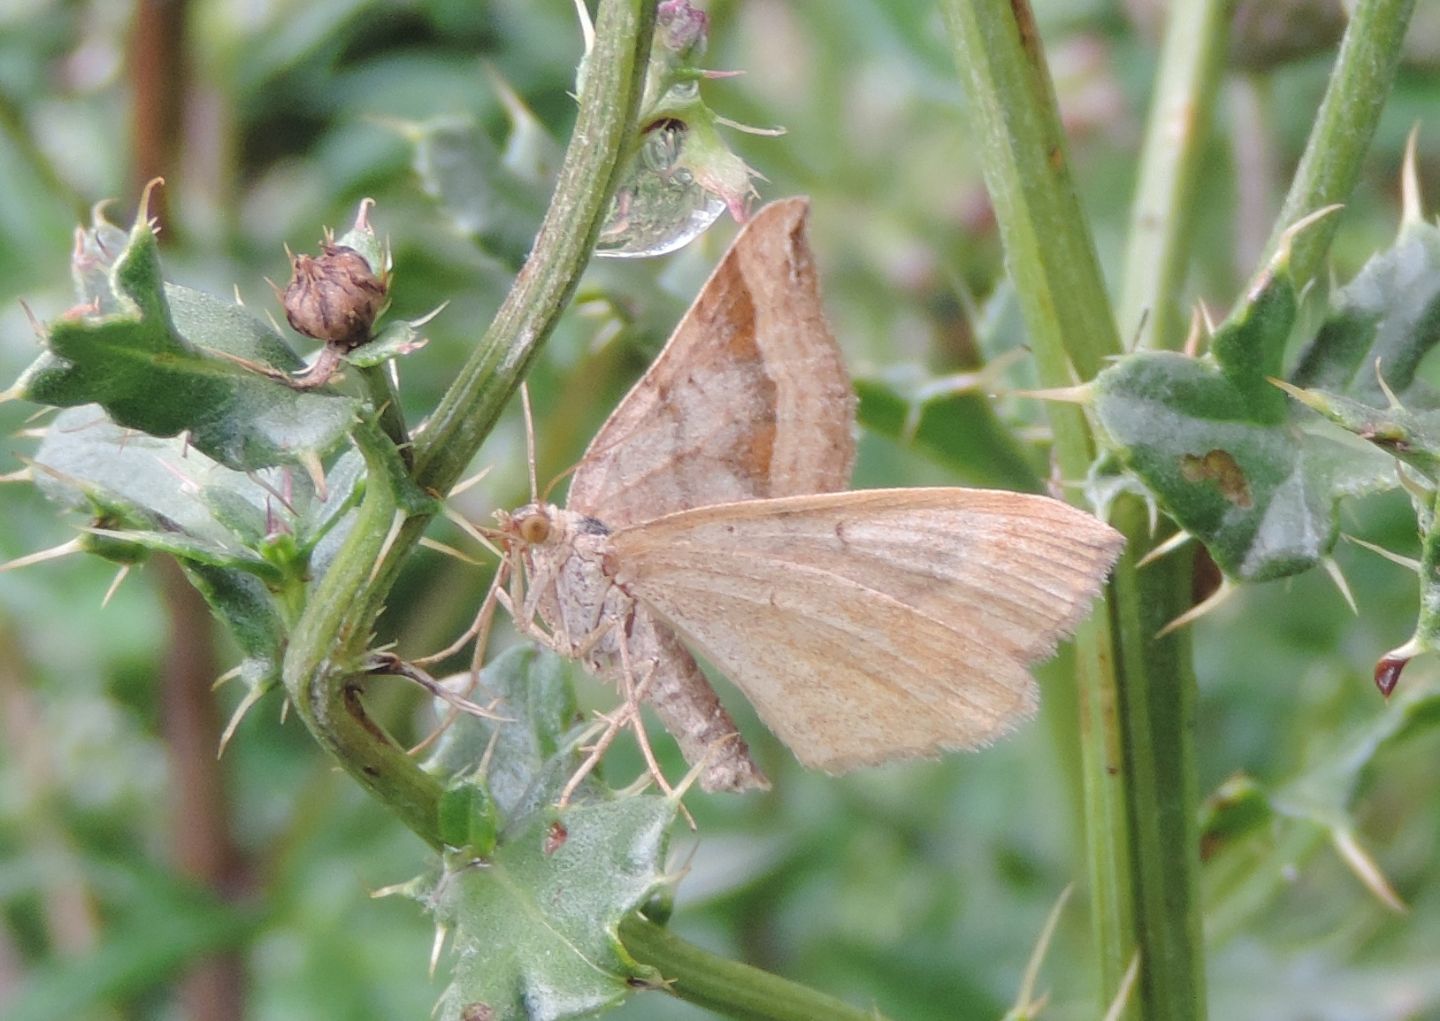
column 1221, row 468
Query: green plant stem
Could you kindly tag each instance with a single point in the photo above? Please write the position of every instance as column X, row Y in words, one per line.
column 1135, row 694
column 328, row 646
column 1163, row 214
column 737, row 990
column 1359, row 85
column 381, row 391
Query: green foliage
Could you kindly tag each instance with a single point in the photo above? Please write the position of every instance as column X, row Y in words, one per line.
column 143, row 358
column 534, row 894
column 920, row 889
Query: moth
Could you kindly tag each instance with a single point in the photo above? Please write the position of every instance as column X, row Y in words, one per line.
column 708, row 516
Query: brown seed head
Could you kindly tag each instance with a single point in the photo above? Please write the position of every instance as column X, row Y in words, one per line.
column 334, row 297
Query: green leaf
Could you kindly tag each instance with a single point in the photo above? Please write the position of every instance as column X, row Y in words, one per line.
column 496, row 200
column 535, row 894
column 1383, row 322
column 1224, row 453
column 138, row 363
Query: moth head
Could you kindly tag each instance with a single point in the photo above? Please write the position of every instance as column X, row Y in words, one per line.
column 531, row 524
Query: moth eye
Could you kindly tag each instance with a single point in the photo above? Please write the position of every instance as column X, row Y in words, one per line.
column 535, row 529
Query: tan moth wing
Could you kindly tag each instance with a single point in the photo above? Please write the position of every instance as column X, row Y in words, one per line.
column 748, row 399
column 874, row 625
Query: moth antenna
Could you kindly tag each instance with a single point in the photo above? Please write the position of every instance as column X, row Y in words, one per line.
column 1026, row 1005
column 530, row 427
column 120, row 576
column 1332, row 568
column 1224, row 592
column 254, row 695
column 1165, row 548
column 1365, row 868
column 1127, row 986
column 1390, row 555
column 550, row 486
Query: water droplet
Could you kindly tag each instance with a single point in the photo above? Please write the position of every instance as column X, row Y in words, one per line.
column 658, row 206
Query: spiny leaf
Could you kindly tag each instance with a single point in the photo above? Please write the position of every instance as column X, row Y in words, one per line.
column 139, row 364
column 534, row 894
column 1222, row 450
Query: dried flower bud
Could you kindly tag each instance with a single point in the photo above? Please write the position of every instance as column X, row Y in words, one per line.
column 335, row 297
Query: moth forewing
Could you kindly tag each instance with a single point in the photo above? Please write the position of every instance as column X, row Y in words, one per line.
column 874, row 625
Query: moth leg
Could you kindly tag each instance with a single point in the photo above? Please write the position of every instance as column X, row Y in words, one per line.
column 634, row 694
column 614, row 723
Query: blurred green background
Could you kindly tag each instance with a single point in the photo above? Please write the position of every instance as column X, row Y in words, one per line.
column 138, row 879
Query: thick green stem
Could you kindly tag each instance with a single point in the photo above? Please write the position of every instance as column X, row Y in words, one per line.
column 328, row 646
column 1359, row 85
column 734, row 989
column 1135, row 692
column 1162, row 217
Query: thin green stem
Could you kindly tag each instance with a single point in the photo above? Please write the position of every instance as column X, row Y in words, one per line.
column 1136, row 695
column 734, row 989
column 328, row 646
column 1359, row 85
column 1163, row 215
column 381, row 391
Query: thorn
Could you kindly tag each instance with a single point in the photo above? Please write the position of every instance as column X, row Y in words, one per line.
column 1305, row 397
column 1026, row 1005
column 1332, row 568
column 1282, row 250
column 1224, row 592
column 310, row 461
column 1208, row 317
column 395, row 525
column 1165, row 548
column 1365, row 869
column 362, row 215
column 239, row 300
column 750, row 129
column 587, row 27
column 1082, row 394
column 120, row 576
column 254, row 695
column 1394, row 558
column 1385, row 388
column 1411, row 210
column 449, row 551
column 230, row 674
column 473, row 531
column 1127, row 986
column 1139, row 335
column 472, row 481
column 143, row 213
column 441, row 931
column 1200, row 331
column 284, row 710
column 53, row 553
